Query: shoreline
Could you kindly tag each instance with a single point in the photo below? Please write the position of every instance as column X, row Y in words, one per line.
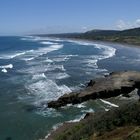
column 117, row 99
column 101, row 42
column 66, row 125
column 60, row 130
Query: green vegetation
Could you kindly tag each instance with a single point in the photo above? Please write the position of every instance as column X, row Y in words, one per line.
column 130, row 36
column 122, row 122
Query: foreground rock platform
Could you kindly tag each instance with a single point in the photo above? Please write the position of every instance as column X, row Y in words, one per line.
column 114, row 84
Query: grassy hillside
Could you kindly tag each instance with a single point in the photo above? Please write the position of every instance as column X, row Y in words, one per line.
column 117, row 124
column 130, row 36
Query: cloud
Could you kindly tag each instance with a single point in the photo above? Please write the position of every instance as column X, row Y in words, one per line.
column 138, row 22
column 84, row 28
column 121, row 24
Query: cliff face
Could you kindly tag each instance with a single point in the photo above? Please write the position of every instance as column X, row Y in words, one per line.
column 121, row 123
column 109, row 86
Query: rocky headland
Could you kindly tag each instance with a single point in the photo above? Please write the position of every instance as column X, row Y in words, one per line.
column 121, row 123
column 111, row 85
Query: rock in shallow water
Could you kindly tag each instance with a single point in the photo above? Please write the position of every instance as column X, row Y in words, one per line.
column 112, row 85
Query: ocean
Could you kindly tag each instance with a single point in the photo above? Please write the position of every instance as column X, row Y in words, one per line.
column 35, row 70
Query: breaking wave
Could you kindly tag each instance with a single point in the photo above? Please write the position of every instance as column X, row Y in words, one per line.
column 14, row 54
column 109, row 103
column 5, row 67
column 78, row 118
column 48, row 43
column 41, row 51
column 46, row 90
column 31, row 54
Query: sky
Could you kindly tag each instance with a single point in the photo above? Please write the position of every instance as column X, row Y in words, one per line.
column 62, row 16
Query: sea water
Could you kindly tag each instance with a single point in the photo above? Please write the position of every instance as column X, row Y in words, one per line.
column 35, row 70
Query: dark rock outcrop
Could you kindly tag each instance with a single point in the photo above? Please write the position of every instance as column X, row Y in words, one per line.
column 110, row 86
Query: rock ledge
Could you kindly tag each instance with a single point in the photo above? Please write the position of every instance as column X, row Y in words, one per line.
column 114, row 84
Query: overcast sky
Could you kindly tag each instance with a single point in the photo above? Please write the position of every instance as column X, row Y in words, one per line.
column 57, row 16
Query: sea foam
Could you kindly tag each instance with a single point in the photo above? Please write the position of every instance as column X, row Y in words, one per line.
column 5, row 67
column 41, row 51
column 46, row 90
column 107, row 102
column 9, row 66
column 4, row 70
column 48, row 43
column 78, row 118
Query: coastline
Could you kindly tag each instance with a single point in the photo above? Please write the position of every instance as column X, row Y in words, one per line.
column 89, row 117
column 131, row 45
column 120, row 100
column 66, row 125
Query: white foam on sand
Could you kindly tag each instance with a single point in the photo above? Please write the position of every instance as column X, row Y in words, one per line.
column 109, row 103
column 80, row 42
column 108, row 51
column 57, row 125
column 54, row 128
column 78, row 118
column 105, row 52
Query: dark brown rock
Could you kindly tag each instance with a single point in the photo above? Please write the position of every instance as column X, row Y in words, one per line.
column 110, row 86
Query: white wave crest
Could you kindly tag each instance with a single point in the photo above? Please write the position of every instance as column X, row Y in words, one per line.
column 62, row 58
column 49, row 112
column 48, row 60
column 82, row 105
column 78, row 118
column 38, row 38
column 28, row 59
column 111, row 104
column 11, row 56
column 5, row 67
column 4, row 70
column 55, row 67
column 38, row 76
column 10, row 66
column 80, row 42
column 48, row 43
column 108, row 51
column 32, row 54
column 88, row 111
column 41, row 51
column 14, row 54
column 61, row 76
column 46, row 90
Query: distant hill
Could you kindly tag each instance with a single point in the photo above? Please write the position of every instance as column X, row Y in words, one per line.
column 130, row 36
column 131, row 32
column 128, row 32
